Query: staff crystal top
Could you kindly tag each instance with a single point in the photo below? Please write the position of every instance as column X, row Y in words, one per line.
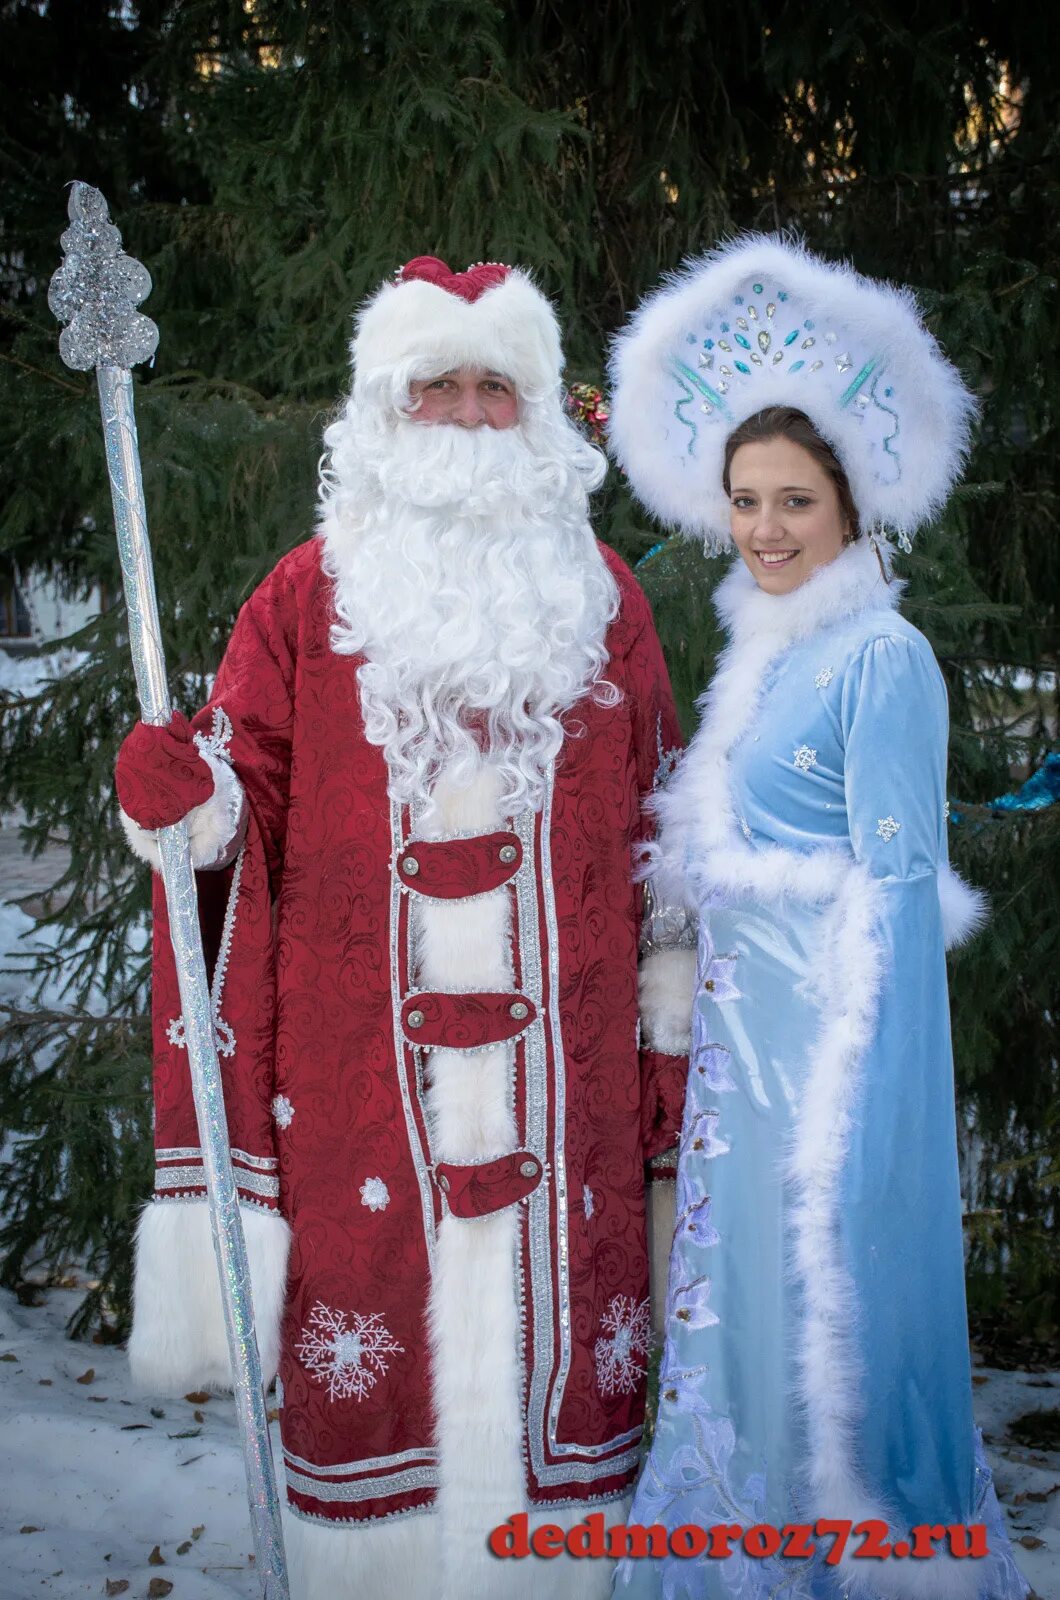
column 97, row 289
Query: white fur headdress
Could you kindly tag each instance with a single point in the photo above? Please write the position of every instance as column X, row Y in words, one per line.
column 490, row 316
column 763, row 322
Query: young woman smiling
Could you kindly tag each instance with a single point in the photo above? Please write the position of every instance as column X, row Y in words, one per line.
column 816, row 1365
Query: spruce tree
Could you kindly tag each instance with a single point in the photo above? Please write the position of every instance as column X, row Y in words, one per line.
column 271, row 163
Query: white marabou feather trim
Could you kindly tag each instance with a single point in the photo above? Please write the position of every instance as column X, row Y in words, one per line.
column 964, row 909
column 215, row 829
column 178, row 1339
column 399, row 1556
column 667, row 984
column 851, row 353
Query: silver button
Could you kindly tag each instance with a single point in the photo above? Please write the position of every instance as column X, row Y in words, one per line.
column 519, row 1011
column 410, row 866
column 443, row 1183
column 508, row 853
column 529, row 1169
column 414, row 1019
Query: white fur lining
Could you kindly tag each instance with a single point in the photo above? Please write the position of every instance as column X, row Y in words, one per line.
column 398, row 1557
column 215, row 829
column 705, row 838
column 667, row 984
column 178, row 1339
column 474, row 1304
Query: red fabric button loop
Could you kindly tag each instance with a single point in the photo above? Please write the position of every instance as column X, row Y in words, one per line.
column 465, row 1021
column 458, row 869
column 478, row 1191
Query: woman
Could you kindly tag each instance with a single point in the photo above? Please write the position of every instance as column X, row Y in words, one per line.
column 816, row 1362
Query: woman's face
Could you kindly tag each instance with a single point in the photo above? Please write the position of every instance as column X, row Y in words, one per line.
column 784, row 513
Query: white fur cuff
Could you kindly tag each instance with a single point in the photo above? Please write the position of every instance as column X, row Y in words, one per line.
column 178, row 1339
column 215, row 829
column 964, row 909
column 667, row 988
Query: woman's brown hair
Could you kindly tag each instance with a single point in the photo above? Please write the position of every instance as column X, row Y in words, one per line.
column 784, row 422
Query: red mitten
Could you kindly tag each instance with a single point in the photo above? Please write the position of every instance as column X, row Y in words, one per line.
column 160, row 775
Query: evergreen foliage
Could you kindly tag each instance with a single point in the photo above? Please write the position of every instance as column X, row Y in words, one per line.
column 271, row 161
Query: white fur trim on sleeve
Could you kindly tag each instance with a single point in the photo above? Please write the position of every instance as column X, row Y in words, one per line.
column 215, row 829
column 178, row 1337
column 964, row 909
column 667, row 988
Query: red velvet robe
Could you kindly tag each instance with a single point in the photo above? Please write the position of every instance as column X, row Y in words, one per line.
column 325, row 1080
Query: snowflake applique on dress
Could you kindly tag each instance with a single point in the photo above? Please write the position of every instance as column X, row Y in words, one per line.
column 346, row 1350
column 805, row 758
column 823, row 678
column 886, row 828
column 625, row 1336
column 375, row 1194
column 282, row 1111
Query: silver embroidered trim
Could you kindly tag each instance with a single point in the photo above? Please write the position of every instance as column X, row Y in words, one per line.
column 257, row 1183
column 261, row 1163
column 571, row 1470
column 665, row 926
column 224, row 1034
column 389, row 1463
column 181, row 1152
column 359, row 1522
column 362, row 1488
column 421, row 1158
column 179, row 1178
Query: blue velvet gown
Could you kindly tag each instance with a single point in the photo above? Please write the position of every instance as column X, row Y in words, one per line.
column 816, row 1361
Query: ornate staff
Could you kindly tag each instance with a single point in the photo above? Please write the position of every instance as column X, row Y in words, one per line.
column 95, row 294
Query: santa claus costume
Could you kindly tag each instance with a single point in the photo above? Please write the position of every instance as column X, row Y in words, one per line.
column 423, row 772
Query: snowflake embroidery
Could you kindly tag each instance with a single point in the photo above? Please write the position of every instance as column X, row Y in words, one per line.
column 587, row 1198
column 805, row 758
column 219, row 737
column 823, row 678
column 346, row 1350
column 282, row 1110
column 375, row 1194
column 946, row 812
column 629, row 1326
column 886, row 828
column 224, row 1038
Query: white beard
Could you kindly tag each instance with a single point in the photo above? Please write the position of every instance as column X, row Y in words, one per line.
column 466, row 573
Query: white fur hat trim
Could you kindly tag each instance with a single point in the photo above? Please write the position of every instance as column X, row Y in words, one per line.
column 763, row 322
column 510, row 329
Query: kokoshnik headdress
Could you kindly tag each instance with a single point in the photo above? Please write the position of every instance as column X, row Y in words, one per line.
column 763, row 322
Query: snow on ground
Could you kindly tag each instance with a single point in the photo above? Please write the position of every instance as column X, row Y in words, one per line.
column 93, row 1478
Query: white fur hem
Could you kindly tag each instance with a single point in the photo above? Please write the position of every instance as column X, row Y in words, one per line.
column 964, row 909
column 178, row 1337
column 667, row 982
column 215, row 829
column 400, row 1556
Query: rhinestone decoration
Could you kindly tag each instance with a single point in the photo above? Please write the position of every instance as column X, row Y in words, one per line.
column 805, row 758
column 886, row 828
column 843, row 363
column 587, row 1200
column 375, row 1194
column 97, row 289
column 823, row 678
column 282, row 1111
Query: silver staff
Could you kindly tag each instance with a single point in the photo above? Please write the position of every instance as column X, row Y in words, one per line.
column 95, row 294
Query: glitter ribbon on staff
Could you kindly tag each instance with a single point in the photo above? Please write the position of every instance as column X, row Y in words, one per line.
column 95, row 294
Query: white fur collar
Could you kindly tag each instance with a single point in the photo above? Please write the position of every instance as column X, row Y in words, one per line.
column 852, row 583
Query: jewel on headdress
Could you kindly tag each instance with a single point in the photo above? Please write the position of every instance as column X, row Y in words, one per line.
column 705, row 361
column 792, row 337
column 743, row 341
column 756, row 359
column 795, row 365
column 763, row 340
column 757, row 288
column 752, row 313
column 778, row 358
column 707, row 409
column 723, row 344
column 770, row 308
column 741, row 368
column 741, row 322
column 726, row 372
column 843, row 363
column 815, row 366
column 807, row 344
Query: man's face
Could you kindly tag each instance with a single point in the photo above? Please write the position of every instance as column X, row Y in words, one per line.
column 469, row 397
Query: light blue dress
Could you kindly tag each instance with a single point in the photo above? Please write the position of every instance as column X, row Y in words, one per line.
column 816, row 1361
